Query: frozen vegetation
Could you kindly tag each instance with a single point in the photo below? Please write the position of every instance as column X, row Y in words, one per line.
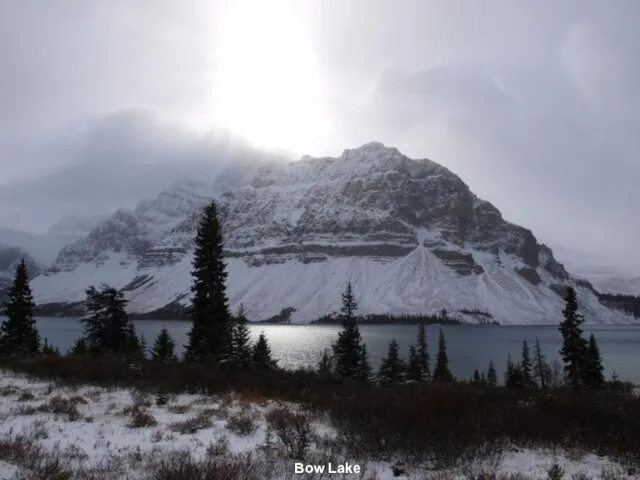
column 48, row 430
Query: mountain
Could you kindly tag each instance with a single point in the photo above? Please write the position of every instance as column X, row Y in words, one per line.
column 10, row 257
column 409, row 234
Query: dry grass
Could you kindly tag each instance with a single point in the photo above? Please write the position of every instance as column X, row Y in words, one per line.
column 191, row 425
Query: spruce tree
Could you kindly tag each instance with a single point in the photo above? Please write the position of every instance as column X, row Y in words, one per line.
column 574, row 347
column 241, row 340
column 441, row 372
column 163, row 349
column 476, row 376
column 18, row 333
column 392, row 368
column 48, row 349
column 364, row 367
column 513, row 376
column 414, row 368
column 347, row 350
column 526, row 367
column 79, row 347
column 594, row 371
column 325, row 366
column 107, row 327
column 423, row 353
column 210, row 338
column 261, row 356
column 492, row 377
column 540, row 367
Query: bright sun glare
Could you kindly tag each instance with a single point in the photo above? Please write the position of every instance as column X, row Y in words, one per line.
column 267, row 85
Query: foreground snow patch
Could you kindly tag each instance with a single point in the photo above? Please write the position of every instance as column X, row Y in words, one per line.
column 119, row 433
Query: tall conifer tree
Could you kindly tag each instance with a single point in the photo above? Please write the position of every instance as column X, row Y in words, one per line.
column 261, row 356
column 541, row 369
column 422, row 352
column 163, row 349
column 526, row 367
column 107, row 327
column 241, row 349
column 574, row 347
column 392, row 368
column 441, row 372
column 492, row 377
column 594, row 371
column 414, row 368
column 210, row 338
column 18, row 333
column 347, row 350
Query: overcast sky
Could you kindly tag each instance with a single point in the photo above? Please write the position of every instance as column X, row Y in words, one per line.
column 535, row 104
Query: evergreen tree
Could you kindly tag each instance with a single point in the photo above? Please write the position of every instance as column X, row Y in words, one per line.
column 541, row 367
column 476, row 376
column 364, row 368
column 492, row 377
column 423, row 353
column 18, row 333
column 325, row 366
column 107, row 327
column 574, row 347
column 48, row 349
column 241, row 340
column 139, row 348
column 164, row 347
column 79, row 347
column 441, row 372
column 594, row 371
column 526, row 367
column 261, row 356
column 392, row 368
column 347, row 350
column 210, row 338
column 414, row 368
column 513, row 377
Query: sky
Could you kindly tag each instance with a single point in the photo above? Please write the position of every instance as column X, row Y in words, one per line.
column 534, row 104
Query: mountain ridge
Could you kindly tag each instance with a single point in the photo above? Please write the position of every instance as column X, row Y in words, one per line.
column 295, row 233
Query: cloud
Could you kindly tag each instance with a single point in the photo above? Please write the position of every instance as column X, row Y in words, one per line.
column 535, row 106
column 112, row 162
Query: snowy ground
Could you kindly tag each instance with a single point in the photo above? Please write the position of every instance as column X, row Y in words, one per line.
column 91, row 432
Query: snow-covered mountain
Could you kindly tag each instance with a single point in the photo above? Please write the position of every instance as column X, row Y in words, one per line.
column 409, row 234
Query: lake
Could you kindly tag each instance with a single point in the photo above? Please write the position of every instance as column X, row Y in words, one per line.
column 468, row 347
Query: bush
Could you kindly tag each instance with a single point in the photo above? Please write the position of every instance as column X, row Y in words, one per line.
column 140, row 418
column 182, row 465
column 434, row 422
column 555, row 472
column 293, row 431
column 62, row 406
column 243, row 423
column 192, row 425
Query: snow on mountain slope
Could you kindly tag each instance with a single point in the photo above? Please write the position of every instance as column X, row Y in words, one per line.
column 409, row 234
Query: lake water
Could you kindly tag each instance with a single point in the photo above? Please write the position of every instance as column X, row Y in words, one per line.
column 468, row 347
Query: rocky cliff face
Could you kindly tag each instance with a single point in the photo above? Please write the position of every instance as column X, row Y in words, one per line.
column 408, row 233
